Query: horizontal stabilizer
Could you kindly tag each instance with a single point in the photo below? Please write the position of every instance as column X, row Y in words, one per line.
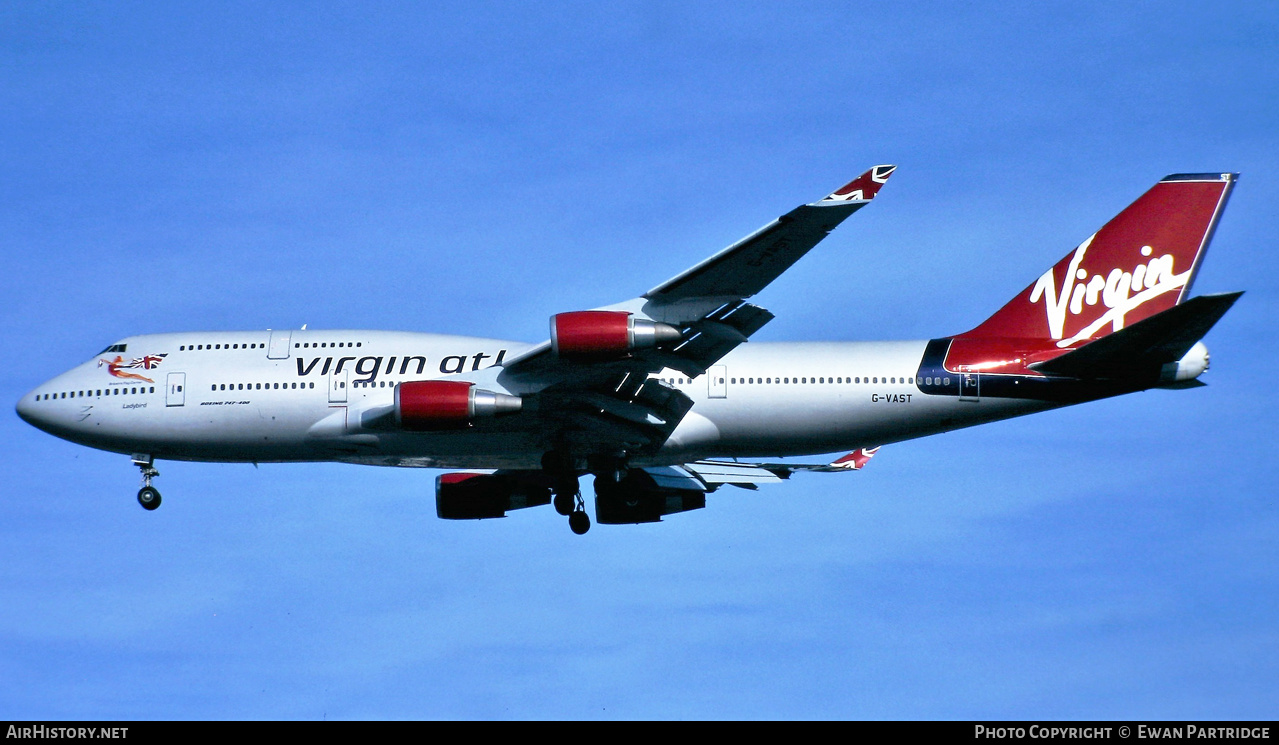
column 1163, row 338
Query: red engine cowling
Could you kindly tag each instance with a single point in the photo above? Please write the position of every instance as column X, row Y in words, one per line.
column 425, row 405
column 605, row 334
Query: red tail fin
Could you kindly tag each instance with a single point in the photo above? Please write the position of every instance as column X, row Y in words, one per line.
column 1140, row 263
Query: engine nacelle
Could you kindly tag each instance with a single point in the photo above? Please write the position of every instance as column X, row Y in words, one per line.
column 476, row 496
column 605, row 334
column 425, row 405
column 1191, row 365
column 639, row 499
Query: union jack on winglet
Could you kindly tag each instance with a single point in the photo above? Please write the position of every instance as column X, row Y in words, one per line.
column 864, row 187
column 855, row 460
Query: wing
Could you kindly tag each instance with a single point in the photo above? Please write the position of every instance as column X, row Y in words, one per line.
column 588, row 389
column 714, row 473
column 749, row 265
column 662, row 490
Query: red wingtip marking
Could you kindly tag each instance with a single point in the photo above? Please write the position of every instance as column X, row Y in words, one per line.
column 864, row 187
column 857, row 459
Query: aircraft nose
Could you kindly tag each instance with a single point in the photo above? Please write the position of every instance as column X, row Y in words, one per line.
column 27, row 410
column 59, row 418
column 42, row 417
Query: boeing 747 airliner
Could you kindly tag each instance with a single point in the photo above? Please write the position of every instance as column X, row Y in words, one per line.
column 659, row 397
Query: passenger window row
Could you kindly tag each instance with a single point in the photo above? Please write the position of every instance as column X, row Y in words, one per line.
column 206, row 347
column 839, row 380
column 296, row 345
column 260, row 386
column 97, row 392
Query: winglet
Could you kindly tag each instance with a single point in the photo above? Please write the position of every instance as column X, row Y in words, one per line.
column 857, row 459
column 863, row 188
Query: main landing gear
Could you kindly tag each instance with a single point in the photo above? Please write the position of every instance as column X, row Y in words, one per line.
column 578, row 521
column 568, row 502
column 148, row 496
column 568, row 495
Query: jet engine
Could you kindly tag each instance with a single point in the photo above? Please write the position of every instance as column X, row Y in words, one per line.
column 476, row 496
column 425, row 405
column 605, row 334
column 638, row 498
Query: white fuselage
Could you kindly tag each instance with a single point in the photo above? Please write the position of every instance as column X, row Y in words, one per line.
column 265, row 396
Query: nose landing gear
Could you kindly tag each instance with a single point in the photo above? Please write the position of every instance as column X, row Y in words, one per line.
column 148, row 496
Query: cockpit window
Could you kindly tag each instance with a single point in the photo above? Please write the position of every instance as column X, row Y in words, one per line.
column 114, row 348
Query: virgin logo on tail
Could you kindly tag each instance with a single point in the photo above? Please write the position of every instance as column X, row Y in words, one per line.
column 1137, row 265
column 1119, row 291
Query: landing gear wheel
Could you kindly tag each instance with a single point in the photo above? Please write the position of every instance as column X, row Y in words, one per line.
column 564, row 503
column 149, row 497
column 579, row 522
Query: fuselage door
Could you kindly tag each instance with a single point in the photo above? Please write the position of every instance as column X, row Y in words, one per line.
column 337, row 386
column 279, row 347
column 175, row 393
column 717, row 380
column 969, row 386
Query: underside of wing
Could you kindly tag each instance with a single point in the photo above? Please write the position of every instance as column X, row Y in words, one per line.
column 643, row 495
column 748, row 475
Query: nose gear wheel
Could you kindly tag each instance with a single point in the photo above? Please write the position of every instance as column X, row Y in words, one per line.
column 148, row 496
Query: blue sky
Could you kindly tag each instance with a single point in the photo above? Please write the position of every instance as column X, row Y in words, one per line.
column 474, row 168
